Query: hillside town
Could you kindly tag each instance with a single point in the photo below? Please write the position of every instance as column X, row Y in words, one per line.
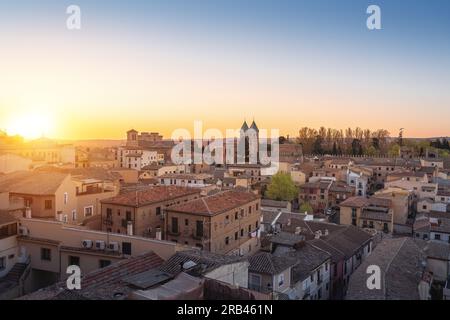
column 141, row 227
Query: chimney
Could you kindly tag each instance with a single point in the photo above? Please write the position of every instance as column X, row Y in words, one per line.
column 28, row 212
column 298, row 230
column 130, row 228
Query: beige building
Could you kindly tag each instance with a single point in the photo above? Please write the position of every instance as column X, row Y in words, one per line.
column 11, row 162
column 142, row 212
column 48, row 195
column 51, row 246
column 402, row 201
column 226, row 223
column 373, row 213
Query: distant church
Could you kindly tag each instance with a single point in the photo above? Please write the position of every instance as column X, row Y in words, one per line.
column 250, row 134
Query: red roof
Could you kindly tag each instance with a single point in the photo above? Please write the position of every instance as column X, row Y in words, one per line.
column 151, row 195
column 217, row 203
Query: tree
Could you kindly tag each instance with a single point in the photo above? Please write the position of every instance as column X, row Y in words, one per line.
column 282, row 187
column 371, row 151
column 356, row 147
column 317, row 146
column 281, row 140
column 306, row 207
column 334, row 151
column 394, row 150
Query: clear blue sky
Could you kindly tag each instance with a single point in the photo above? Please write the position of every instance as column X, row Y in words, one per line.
column 286, row 63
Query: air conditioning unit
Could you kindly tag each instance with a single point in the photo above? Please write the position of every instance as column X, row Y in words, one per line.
column 86, row 244
column 113, row 246
column 100, row 245
column 23, row 231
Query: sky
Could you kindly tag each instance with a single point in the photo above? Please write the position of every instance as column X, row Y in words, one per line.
column 161, row 65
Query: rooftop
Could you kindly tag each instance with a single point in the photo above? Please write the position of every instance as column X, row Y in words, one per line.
column 150, row 195
column 35, row 183
column 267, row 263
column 216, row 204
column 360, row 202
column 207, row 260
column 109, row 283
column 400, row 262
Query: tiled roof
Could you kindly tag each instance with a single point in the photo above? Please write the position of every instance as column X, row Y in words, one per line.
column 269, row 264
column 287, row 238
column 400, row 262
column 274, row 203
column 103, row 284
column 336, row 255
column 207, row 260
column 348, row 240
column 438, row 250
column 186, row 176
column 360, row 202
column 376, row 215
column 28, row 182
column 150, row 195
column 308, row 258
column 215, row 204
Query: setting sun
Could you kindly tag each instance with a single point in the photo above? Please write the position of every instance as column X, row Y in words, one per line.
column 30, row 126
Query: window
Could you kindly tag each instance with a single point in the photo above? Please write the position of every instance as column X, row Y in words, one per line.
column 437, row 236
column 88, row 211
column 255, row 281
column 66, row 197
column 46, row 254
column 126, row 248
column 250, row 209
column 256, row 225
column 103, row 263
column 236, row 235
column 256, row 206
column 65, row 218
column 235, row 215
column 2, row 263
column 108, row 214
column 174, row 225
column 158, row 211
column 48, row 204
column 227, row 240
column 74, row 215
column 199, row 228
column 186, row 222
column 74, row 261
column 128, row 213
column 280, row 279
column 242, row 232
column 249, row 228
column 353, row 212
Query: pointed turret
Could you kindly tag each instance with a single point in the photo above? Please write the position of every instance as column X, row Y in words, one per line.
column 244, row 126
column 254, row 126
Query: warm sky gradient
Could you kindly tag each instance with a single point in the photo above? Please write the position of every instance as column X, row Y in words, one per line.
column 160, row 65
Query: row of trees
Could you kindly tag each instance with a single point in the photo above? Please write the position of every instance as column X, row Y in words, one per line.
column 350, row 141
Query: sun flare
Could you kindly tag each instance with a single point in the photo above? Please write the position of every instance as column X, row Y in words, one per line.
column 30, row 126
